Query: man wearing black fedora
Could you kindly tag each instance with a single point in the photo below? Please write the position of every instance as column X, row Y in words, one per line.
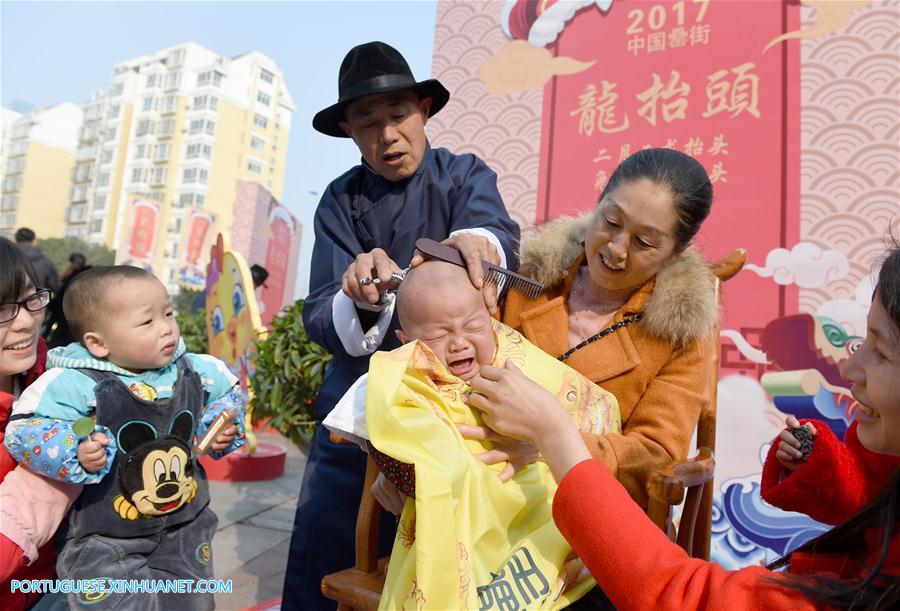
column 366, row 226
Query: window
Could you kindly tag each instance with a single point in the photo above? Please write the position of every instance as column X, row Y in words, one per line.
column 114, row 111
column 266, row 76
column 158, row 176
column 189, row 175
column 137, row 175
column 162, row 152
column 103, row 179
column 202, row 176
column 213, row 77
column 96, row 225
column 117, row 89
column 254, row 166
column 17, row 149
column 15, row 165
column 260, row 121
column 198, row 150
column 175, row 58
column 110, row 134
column 150, row 103
column 154, row 80
column 171, row 104
column 9, row 203
column 82, row 172
column 213, row 102
column 12, row 183
column 76, row 214
column 157, row 195
column 106, row 156
column 173, row 81
column 144, row 126
column 196, row 126
column 139, row 151
column 166, row 128
column 200, row 101
column 257, row 143
column 210, row 127
column 196, row 199
column 99, row 202
column 263, row 98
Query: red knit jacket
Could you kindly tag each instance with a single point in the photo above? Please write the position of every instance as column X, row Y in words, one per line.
column 12, row 560
column 639, row 568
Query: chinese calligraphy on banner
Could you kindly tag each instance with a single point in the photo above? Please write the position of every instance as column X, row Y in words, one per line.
column 691, row 76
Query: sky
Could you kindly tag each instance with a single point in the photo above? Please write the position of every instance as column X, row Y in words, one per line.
column 53, row 52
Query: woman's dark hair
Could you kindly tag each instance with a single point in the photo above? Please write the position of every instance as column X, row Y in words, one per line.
column 888, row 288
column 877, row 590
column 15, row 271
column 682, row 175
column 77, row 260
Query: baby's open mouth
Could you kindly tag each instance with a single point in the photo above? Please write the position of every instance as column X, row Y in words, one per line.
column 461, row 367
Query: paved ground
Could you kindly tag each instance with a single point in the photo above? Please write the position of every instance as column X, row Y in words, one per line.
column 255, row 520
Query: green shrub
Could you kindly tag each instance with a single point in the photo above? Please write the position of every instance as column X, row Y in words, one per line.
column 288, row 371
column 192, row 324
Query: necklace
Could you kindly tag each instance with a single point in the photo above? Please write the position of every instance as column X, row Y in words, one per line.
column 601, row 334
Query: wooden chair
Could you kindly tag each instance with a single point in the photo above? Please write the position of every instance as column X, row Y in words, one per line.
column 691, row 481
column 360, row 586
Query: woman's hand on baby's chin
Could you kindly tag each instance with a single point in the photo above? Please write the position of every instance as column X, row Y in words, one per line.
column 513, row 405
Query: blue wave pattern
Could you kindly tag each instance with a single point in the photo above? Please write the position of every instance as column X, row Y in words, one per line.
column 746, row 530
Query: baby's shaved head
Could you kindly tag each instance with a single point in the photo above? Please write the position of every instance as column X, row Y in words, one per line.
column 435, row 277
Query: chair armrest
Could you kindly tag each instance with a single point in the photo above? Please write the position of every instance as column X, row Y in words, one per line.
column 666, row 486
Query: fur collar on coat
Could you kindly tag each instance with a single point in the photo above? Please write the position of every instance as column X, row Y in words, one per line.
column 682, row 307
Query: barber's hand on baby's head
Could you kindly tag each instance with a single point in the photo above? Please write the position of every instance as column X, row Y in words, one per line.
column 473, row 249
column 358, row 282
column 91, row 453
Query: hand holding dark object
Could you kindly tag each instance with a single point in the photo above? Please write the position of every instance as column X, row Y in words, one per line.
column 795, row 443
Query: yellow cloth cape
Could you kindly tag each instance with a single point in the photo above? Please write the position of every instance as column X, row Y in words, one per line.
column 468, row 540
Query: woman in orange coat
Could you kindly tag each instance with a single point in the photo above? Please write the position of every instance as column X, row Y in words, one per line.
column 632, row 306
column 857, row 564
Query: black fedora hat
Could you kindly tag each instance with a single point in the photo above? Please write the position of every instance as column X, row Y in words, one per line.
column 374, row 67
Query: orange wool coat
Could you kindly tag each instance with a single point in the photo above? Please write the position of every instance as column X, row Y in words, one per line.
column 659, row 369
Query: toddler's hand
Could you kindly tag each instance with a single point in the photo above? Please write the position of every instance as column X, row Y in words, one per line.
column 224, row 439
column 790, row 453
column 91, row 453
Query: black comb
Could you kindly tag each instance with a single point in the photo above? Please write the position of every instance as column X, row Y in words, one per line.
column 493, row 274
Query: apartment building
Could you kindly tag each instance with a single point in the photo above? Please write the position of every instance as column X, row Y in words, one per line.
column 38, row 153
column 174, row 134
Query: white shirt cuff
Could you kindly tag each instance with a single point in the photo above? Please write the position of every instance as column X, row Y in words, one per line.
column 355, row 340
column 348, row 418
column 485, row 233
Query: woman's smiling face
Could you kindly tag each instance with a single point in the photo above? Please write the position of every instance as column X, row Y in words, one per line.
column 874, row 375
column 19, row 336
column 632, row 235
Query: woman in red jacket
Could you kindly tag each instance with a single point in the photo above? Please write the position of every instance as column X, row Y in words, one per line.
column 31, row 506
column 857, row 483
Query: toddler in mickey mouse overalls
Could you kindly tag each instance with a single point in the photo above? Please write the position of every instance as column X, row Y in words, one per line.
column 143, row 513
